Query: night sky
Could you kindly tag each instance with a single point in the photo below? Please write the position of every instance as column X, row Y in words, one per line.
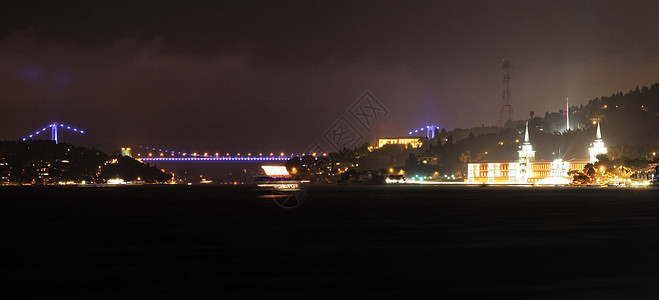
column 275, row 76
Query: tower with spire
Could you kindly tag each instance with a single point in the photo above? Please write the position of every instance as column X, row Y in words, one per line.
column 526, row 157
column 597, row 146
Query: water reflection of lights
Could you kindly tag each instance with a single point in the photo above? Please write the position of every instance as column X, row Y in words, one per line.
column 286, row 194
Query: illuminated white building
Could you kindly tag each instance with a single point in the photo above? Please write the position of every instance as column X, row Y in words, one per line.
column 525, row 171
column 597, row 146
column 559, row 168
column 125, row 151
column 413, row 142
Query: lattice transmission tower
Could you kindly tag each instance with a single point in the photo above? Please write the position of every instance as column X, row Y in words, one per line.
column 506, row 112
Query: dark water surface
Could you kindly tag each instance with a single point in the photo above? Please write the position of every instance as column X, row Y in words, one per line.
column 391, row 241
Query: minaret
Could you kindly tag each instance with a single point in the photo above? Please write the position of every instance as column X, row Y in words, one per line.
column 567, row 114
column 598, row 146
column 526, row 157
column 527, row 140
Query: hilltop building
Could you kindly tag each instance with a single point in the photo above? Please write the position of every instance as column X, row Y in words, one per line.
column 126, row 151
column 414, row 142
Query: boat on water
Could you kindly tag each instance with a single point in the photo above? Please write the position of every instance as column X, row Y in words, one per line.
column 279, row 186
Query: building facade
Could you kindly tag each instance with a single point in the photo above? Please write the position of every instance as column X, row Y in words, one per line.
column 527, row 170
column 514, row 173
column 413, row 142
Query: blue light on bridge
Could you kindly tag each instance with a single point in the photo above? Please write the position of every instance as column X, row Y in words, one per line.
column 206, row 157
column 430, row 131
column 214, row 158
column 54, row 135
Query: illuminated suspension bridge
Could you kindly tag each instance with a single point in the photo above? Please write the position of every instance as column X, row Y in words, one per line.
column 177, row 156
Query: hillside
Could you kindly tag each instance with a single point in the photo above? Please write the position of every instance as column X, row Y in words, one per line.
column 45, row 162
column 629, row 123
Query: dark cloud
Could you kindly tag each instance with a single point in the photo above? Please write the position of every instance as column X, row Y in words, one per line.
column 274, row 75
column 294, row 31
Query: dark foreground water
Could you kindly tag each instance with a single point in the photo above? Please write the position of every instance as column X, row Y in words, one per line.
column 393, row 241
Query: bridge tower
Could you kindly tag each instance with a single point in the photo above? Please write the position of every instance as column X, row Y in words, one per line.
column 53, row 135
column 53, row 131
